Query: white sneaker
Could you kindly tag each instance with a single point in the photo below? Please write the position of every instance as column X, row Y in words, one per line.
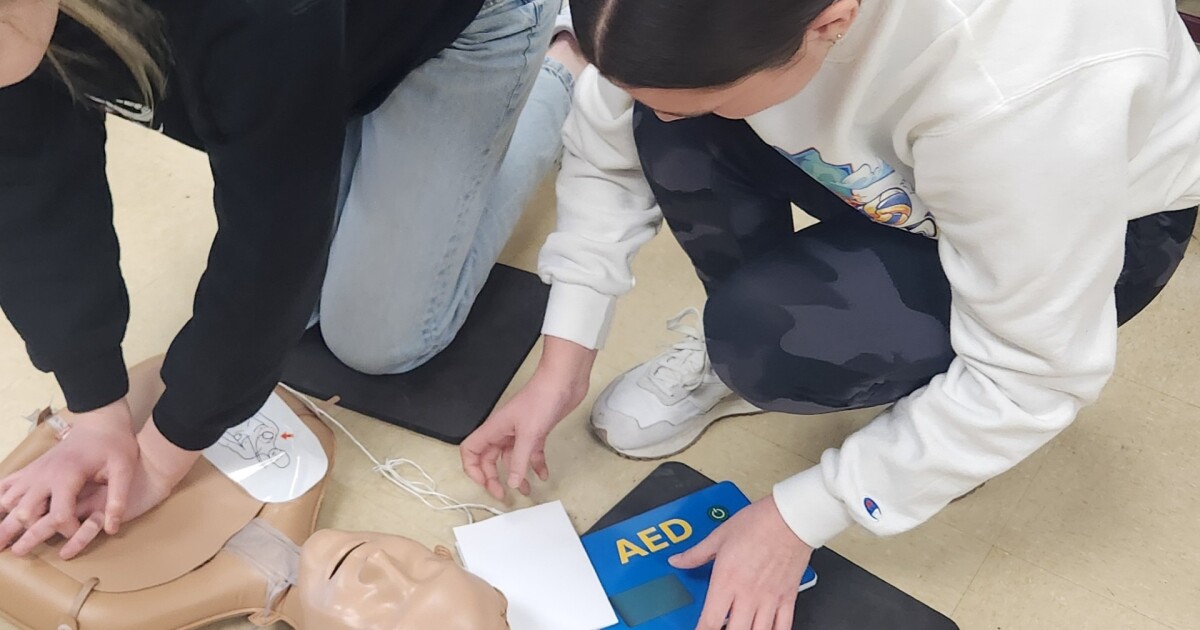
column 663, row 406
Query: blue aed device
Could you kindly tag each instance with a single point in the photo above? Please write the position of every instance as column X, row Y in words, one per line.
column 631, row 559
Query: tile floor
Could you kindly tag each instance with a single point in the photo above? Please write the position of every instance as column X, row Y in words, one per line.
column 1095, row 531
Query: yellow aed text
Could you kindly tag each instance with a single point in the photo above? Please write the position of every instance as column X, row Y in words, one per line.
column 654, row 539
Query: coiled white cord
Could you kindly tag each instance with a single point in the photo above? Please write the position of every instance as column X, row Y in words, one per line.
column 424, row 489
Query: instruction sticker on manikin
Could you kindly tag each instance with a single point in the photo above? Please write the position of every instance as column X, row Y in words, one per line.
column 273, row 455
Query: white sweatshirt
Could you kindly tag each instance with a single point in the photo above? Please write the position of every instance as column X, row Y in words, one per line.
column 1026, row 134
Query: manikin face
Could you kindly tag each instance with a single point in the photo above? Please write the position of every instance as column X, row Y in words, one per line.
column 25, row 30
column 361, row 581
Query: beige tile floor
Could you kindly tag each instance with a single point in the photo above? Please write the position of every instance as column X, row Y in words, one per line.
column 1097, row 530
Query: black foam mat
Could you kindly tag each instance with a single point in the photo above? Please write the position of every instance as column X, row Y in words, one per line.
column 846, row 597
column 452, row 394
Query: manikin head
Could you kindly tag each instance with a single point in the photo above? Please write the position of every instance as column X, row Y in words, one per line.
column 361, row 581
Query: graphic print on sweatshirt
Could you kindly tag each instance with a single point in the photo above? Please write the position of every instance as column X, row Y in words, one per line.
column 877, row 191
column 138, row 113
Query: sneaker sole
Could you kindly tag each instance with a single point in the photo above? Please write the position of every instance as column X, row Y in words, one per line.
column 684, row 440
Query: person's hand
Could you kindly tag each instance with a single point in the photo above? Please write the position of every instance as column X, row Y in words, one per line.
column 160, row 466
column 517, row 431
column 759, row 563
column 100, row 448
column 147, row 490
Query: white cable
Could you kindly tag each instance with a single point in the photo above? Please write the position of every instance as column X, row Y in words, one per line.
column 422, row 490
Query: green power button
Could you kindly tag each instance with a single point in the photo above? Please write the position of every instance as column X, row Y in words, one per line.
column 718, row 513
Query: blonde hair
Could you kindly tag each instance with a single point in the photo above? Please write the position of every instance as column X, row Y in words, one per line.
column 132, row 30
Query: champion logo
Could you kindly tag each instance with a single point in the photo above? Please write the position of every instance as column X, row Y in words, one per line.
column 872, row 508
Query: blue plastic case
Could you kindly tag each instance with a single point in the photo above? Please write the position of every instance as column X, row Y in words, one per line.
column 631, row 559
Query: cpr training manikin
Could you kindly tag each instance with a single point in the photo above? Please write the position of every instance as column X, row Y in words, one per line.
column 213, row 551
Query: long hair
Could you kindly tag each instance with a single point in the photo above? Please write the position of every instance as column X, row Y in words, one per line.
column 130, row 29
column 685, row 44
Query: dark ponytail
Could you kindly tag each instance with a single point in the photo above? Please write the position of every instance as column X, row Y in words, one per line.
column 681, row 44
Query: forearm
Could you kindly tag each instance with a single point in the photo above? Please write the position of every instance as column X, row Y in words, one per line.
column 606, row 213
column 565, row 367
column 229, row 357
column 274, row 136
column 167, row 462
column 60, row 278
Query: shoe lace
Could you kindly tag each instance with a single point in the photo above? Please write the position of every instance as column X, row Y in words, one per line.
column 685, row 364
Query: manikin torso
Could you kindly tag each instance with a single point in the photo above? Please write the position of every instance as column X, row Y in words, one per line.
column 181, row 565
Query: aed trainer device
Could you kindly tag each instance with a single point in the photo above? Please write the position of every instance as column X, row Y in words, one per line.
column 631, row 560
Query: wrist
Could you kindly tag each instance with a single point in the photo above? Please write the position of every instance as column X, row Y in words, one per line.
column 166, row 461
column 565, row 367
column 112, row 415
column 809, row 509
column 93, row 382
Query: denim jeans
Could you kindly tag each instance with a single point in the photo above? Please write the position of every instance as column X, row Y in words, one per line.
column 433, row 183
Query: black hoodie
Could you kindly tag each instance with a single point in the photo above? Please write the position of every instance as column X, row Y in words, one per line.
column 265, row 88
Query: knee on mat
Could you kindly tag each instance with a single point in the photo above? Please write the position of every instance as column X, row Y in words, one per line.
column 379, row 352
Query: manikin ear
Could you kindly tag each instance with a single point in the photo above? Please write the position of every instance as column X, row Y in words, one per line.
column 442, row 552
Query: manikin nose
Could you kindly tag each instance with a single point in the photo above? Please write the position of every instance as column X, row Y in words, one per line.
column 381, row 567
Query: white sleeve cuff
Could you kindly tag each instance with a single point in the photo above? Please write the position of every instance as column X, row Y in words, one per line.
column 579, row 314
column 809, row 509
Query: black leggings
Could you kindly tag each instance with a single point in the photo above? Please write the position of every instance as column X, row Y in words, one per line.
column 807, row 322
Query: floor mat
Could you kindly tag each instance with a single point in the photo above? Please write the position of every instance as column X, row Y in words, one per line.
column 452, row 394
column 846, row 596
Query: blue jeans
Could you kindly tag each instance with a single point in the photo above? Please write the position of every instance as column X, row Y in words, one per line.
column 433, row 183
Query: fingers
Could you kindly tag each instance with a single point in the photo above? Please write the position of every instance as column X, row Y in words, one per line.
column 785, row 616
column 91, row 501
column 741, row 616
column 472, row 459
column 12, row 496
column 506, row 463
column 518, row 463
column 491, row 473
column 44, row 529
column 716, row 607
column 63, row 505
column 33, row 505
column 10, row 528
column 475, row 447
column 522, row 457
column 481, row 453
column 538, row 461
column 61, row 519
column 764, row 617
column 5, row 485
column 120, row 477
column 701, row 554
column 88, row 532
